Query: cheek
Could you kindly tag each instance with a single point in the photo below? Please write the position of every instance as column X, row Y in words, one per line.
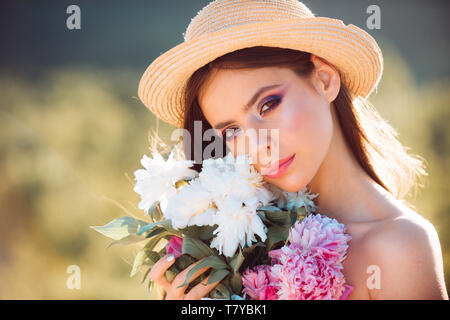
column 308, row 128
column 307, row 131
column 240, row 145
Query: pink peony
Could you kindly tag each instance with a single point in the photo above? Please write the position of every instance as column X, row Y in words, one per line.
column 308, row 275
column 309, row 268
column 258, row 283
column 319, row 231
column 174, row 246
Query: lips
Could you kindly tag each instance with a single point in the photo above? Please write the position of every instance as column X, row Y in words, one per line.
column 280, row 168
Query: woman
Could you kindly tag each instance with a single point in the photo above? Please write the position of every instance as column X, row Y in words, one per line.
column 271, row 65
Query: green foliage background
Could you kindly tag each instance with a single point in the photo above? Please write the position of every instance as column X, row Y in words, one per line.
column 71, row 140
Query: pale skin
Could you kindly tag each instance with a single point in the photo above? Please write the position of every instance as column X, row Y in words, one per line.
column 172, row 292
column 387, row 234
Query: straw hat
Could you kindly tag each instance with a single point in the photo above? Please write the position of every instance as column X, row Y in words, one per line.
column 224, row 26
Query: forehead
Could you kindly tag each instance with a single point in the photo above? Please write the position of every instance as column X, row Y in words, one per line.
column 226, row 92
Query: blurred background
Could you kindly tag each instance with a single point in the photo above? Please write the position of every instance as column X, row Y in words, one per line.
column 73, row 131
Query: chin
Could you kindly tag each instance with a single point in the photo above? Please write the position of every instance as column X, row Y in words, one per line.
column 290, row 183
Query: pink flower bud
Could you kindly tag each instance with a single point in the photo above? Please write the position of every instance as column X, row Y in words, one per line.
column 174, row 246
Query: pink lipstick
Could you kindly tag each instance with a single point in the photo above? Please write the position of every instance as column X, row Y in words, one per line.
column 280, row 168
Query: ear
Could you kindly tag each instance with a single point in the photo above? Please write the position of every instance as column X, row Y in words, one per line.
column 325, row 78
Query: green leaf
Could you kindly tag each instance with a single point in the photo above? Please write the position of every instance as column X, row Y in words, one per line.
column 144, row 257
column 248, row 250
column 202, row 233
column 163, row 250
column 127, row 240
column 155, row 239
column 218, row 275
column 148, row 227
column 166, row 224
column 155, row 231
column 155, row 211
column 301, row 213
column 120, row 227
column 146, row 274
column 262, row 215
column 171, row 273
column 236, row 262
column 138, row 261
column 269, row 208
column 196, row 248
column 294, row 217
column 282, row 218
column 276, row 234
column 153, row 257
column 236, row 283
column 279, row 217
column 214, row 262
column 184, row 261
column 220, row 291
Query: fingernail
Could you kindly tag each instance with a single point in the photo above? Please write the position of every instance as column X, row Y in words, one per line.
column 170, row 257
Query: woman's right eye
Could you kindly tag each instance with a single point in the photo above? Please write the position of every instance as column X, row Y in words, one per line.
column 229, row 133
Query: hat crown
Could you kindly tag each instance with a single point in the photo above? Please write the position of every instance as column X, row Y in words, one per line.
column 223, row 14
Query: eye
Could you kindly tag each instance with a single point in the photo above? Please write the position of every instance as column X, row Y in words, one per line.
column 229, row 133
column 270, row 103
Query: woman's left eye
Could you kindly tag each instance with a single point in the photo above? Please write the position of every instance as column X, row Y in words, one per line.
column 271, row 103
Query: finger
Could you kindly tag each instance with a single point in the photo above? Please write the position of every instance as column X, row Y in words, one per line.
column 158, row 272
column 181, row 277
column 201, row 290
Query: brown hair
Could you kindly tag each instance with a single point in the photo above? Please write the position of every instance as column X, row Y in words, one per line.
column 372, row 141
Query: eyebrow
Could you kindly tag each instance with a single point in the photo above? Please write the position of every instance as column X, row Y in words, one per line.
column 249, row 104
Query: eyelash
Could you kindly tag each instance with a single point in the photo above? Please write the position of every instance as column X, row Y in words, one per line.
column 275, row 98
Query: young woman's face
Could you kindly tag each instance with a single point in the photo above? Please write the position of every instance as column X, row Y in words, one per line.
column 298, row 109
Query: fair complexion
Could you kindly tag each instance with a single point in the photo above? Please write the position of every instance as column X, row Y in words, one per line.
column 171, row 290
column 385, row 233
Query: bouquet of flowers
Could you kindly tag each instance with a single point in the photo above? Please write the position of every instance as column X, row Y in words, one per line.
column 261, row 242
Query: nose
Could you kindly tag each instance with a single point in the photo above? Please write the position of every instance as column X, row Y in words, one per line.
column 263, row 148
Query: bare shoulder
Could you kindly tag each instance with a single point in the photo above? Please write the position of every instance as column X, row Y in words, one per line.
column 404, row 229
column 405, row 247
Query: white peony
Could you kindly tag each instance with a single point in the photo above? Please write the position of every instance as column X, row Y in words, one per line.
column 157, row 181
column 237, row 225
column 226, row 193
column 236, row 178
column 192, row 205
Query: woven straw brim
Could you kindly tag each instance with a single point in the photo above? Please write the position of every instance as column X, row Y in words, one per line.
column 350, row 49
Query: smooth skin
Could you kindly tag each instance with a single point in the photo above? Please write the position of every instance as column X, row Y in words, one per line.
column 387, row 236
column 157, row 274
column 391, row 243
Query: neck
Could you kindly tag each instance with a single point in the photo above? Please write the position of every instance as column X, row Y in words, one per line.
column 346, row 192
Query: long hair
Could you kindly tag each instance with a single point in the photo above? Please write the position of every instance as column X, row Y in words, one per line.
column 371, row 139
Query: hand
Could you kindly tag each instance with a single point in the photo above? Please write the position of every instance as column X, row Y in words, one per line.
column 158, row 275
